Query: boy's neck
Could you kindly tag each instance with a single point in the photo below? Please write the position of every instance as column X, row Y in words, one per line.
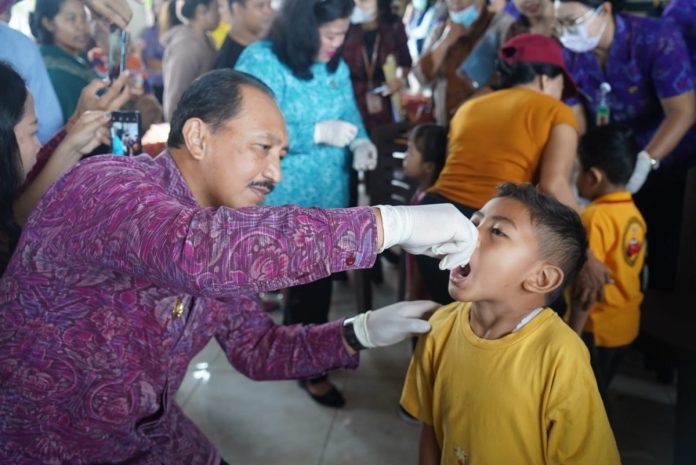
column 608, row 188
column 494, row 320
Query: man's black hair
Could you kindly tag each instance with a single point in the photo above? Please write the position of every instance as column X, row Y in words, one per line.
column 215, row 98
column 562, row 237
column 612, row 149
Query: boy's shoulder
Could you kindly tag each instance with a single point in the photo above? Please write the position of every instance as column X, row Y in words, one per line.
column 612, row 208
column 446, row 316
column 558, row 335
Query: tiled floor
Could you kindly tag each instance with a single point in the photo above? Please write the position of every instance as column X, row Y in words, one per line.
column 257, row 423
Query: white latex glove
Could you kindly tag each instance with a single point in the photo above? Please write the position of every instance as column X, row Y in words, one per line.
column 431, row 230
column 392, row 324
column 364, row 155
column 335, row 132
column 644, row 165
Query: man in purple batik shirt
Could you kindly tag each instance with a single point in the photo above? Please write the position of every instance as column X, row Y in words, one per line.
column 129, row 266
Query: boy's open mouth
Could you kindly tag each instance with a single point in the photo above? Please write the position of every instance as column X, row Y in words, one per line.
column 459, row 274
column 463, row 271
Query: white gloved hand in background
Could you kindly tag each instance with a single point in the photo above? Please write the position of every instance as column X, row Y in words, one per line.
column 644, row 165
column 335, row 132
column 431, row 230
column 364, row 155
column 392, row 324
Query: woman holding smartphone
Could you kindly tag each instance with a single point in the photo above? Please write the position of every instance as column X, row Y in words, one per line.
column 26, row 168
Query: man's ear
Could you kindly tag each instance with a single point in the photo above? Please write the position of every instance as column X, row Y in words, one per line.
column 195, row 133
column 544, row 279
column 429, row 167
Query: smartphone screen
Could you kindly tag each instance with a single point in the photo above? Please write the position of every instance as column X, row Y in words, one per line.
column 125, row 133
column 118, row 44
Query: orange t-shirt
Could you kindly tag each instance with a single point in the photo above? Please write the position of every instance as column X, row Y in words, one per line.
column 498, row 138
column 616, row 232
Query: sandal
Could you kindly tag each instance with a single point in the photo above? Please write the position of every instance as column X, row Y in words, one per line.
column 333, row 398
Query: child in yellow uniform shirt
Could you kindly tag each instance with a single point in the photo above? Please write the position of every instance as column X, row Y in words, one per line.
column 500, row 379
column 616, row 233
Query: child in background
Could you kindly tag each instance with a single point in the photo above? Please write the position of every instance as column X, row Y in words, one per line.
column 616, row 232
column 500, row 379
column 425, row 157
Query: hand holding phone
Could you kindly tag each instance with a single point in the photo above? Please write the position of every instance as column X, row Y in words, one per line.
column 126, row 138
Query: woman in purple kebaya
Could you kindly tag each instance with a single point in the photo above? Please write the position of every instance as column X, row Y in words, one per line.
column 636, row 71
column 129, row 266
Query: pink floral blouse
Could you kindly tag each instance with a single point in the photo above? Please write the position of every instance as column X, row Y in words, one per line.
column 120, row 278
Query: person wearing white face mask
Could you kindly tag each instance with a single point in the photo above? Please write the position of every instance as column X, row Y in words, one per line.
column 646, row 65
column 451, row 43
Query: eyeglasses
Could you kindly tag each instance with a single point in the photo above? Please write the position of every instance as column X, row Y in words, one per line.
column 571, row 25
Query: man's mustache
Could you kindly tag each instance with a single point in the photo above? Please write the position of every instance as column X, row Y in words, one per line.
column 265, row 184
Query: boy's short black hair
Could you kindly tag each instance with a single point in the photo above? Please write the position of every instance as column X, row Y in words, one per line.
column 562, row 237
column 612, row 149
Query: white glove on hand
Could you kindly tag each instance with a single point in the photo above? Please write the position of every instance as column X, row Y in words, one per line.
column 393, row 323
column 431, row 230
column 364, row 155
column 335, row 132
column 644, row 165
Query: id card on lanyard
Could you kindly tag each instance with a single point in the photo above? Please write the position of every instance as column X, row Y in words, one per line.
column 373, row 101
column 603, row 116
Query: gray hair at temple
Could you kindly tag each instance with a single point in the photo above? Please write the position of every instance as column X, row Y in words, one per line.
column 215, row 98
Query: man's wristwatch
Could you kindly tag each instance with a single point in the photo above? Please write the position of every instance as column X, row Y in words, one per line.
column 348, row 331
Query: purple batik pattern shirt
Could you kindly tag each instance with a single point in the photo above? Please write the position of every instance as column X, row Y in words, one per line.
column 120, row 278
column 647, row 61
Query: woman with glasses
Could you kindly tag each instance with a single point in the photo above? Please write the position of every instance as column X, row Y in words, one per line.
column 636, row 71
column 301, row 62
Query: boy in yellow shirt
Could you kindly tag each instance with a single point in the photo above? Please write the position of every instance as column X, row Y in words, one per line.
column 616, row 233
column 500, row 379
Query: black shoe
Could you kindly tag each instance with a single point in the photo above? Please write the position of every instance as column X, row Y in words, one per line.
column 333, row 398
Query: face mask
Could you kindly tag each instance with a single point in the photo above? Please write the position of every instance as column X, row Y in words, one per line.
column 361, row 16
column 465, row 17
column 579, row 41
column 420, row 5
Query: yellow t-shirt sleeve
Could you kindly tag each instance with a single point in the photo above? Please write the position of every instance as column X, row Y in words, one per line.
column 417, row 395
column 579, row 431
column 600, row 232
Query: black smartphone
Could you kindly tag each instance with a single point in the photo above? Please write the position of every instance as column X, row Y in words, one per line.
column 118, row 49
column 125, row 133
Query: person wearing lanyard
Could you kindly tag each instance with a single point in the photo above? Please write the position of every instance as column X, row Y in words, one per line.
column 636, row 71
column 375, row 33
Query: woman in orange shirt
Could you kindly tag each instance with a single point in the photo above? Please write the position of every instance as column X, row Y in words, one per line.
column 521, row 133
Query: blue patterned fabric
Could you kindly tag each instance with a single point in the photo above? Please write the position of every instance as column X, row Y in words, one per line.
column 683, row 14
column 313, row 175
column 647, row 61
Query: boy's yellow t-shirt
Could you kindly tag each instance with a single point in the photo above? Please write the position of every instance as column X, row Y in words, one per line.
column 498, row 137
column 616, row 232
column 527, row 398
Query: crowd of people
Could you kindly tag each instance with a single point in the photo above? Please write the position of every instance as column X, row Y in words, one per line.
column 556, row 141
